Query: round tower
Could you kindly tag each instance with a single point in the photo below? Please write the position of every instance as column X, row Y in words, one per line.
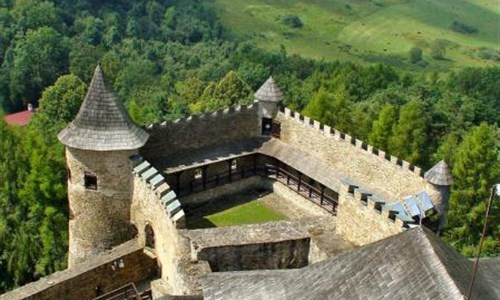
column 441, row 180
column 98, row 143
column 268, row 96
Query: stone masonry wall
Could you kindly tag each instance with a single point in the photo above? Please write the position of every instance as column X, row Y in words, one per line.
column 81, row 280
column 220, row 127
column 169, row 246
column 99, row 219
column 286, row 254
column 391, row 178
column 360, row 222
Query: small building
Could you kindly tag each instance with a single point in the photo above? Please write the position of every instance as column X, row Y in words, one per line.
column 21, row 118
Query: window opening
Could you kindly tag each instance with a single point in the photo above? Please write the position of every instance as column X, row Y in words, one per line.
column 90, row 181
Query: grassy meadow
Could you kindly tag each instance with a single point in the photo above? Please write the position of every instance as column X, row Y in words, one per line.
column 372, row 31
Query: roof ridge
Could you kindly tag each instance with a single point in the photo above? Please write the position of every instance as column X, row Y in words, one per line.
column 448, row 278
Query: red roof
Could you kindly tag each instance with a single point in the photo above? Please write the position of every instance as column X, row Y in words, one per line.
column 21, row 118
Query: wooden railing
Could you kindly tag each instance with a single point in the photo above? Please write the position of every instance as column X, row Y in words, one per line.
column 126, row 292
column 294, row 182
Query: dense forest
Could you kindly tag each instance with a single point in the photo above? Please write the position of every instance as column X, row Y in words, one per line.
column 166, row 59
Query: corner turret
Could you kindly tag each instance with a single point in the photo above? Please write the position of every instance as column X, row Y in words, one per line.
column 98, row 143
column 269, row 96
column 441, row 180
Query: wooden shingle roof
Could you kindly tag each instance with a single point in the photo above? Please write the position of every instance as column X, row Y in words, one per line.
column 440, row 174
column 269, row 92
column 411, row 265
column 102, row 124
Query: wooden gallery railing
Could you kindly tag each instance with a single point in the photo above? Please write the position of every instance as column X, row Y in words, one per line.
column 297, row 183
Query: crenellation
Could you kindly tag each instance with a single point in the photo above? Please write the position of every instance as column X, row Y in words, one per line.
column 317, row 125
column 328, row 130
column 359, row 144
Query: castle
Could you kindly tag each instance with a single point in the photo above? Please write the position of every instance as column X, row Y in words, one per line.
column 355, row 231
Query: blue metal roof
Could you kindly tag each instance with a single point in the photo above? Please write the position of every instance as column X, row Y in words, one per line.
column 412, row 206
column 425, row 200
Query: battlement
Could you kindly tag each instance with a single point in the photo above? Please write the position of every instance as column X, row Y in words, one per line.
column 229, row 111
column 157, row 184
column 356, row 143
column 219, row 127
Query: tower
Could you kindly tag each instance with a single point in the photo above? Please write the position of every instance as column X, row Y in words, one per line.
column 98, row 143
column 441, row 180
column 268, row 95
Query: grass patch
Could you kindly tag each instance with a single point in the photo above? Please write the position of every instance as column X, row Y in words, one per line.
column 372, row 28
column 252, row 212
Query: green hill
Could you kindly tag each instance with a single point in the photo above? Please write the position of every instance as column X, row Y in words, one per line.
column 450, row 33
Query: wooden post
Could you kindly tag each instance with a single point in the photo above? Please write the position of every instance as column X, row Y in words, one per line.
column 178, row 183
column 217, row 179
column 310, row 191
column 229, row 164
column 254, row 164
column 204, row 176
column 300, row 182
column 322, row 194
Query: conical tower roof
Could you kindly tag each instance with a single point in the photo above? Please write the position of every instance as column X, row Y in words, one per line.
column 440, row 174
column 269, row 91
column 102, row 124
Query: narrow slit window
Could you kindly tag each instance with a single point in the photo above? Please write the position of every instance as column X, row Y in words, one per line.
column 90, row 181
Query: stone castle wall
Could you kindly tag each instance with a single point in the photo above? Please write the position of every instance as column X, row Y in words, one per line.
column 100, row 218
column 287, row 254
column 100, row 273
column 220, row 127
column 360, row 222
column 147, row 210
column 353, row 158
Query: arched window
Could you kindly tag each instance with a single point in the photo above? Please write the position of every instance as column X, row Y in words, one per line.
column 150, row 236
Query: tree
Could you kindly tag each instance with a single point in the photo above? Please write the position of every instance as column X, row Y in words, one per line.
column 476, row 168
column 39, row 58
column 382, row 127
column 230, row 90
column 408, row 140
column 60, row 102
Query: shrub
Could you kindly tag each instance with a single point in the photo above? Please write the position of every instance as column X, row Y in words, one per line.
column 463, row 28
column 415, row 55
column 293, row 21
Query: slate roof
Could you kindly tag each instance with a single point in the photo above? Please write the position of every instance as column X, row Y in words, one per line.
column 269, row 92
column 440, row 174
column 411, row 265
column 102, row 124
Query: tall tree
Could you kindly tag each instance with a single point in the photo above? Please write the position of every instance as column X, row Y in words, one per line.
column 382, row 127
column 476, row 169
column 408, row 140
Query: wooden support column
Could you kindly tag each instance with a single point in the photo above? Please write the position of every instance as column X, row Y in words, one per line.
column 277, row 169
column 322, row 194
column 178, row 181
column 204, row 176
column 217, row 179
column 254, row 164
column 300, row 182
column 230, row 171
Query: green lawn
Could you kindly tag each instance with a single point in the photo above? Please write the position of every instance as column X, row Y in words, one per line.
column 363, row 31
column 247, row 213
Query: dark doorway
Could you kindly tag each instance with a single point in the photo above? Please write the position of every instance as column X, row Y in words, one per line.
column 267, row 125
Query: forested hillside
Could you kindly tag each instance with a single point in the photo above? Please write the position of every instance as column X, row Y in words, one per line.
column 167, row 59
